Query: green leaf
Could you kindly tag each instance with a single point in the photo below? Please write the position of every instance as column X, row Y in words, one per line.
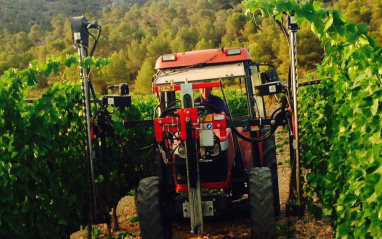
column 378, row 187
column 317, row 5
column 329, row 23
column 47, row 69
column 376, row 138
column 374, row 107
column 56, row 69
column 14, row 154
column 70, row 60
column 342, row 231
column 350, row 199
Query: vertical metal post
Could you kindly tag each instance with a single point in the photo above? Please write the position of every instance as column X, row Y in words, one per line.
column 293, row 28
column 255, row 77
column 193, row 180
column 87, row 112
column 250, row 92
column 252, row 114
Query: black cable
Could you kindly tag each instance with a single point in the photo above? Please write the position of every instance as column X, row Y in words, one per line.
column 173, row 151
column 274, row 112
column 146, row 147
column 225, row 98
column 254, row 140
column 205, row 113
column 167, row 111
column 94, row 94
column 155, row 109
column 283, row 30
column 173, row 103
column 96, row 40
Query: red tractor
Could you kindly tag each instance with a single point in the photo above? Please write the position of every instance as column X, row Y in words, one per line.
column 210, row 159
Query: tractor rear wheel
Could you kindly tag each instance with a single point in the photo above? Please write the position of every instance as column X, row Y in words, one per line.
column 270, row 161
column 263, row 222
column 152, row 218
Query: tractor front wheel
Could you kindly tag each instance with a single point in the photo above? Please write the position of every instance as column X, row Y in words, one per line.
column 152, row 218
column 263, row 222
column 270, row 161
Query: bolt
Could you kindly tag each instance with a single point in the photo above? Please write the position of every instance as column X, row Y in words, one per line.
column 187, row 119
column 218, row 125
column 187, row 112
column 160, row 121
column 284, row 121
column 273, row 122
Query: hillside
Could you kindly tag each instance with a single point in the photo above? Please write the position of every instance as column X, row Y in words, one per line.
column 21, row 15
column 135, row 34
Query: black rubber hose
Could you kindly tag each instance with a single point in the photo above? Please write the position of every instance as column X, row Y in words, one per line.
column 254, row 140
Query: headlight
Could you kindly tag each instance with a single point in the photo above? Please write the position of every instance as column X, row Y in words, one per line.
column 182, row 151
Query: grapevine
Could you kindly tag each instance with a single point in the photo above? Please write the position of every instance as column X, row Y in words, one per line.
column 43, row 176
column 341, row 119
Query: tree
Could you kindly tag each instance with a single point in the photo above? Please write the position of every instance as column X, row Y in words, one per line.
column 235, row 23
column 157, row 47
column 143, row 84
column 260, row 43
column 136, row 54
column 281, row 60
column 117, row 72
column 204, row 44
column 36, row 35
column 376, row 21
column 208, row 32
column 355, row 11
column 185, row 39
column 309, row 48
column 22, row 42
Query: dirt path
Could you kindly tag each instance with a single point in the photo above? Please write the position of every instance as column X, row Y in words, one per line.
column 237, row 226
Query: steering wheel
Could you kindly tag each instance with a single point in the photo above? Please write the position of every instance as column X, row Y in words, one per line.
column 208, row 107
column 171, row 111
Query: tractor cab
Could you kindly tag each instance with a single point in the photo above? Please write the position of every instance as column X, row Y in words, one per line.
column 179, row 78
column 215, row 65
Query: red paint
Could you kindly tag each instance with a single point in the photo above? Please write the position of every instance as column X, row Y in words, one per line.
column 211, row 56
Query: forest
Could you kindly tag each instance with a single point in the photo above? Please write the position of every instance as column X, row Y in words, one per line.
column 135, row 35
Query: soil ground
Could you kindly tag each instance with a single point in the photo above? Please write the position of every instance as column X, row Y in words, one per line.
column 232, row 225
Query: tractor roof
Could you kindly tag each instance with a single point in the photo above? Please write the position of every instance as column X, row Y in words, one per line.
column 202, row 57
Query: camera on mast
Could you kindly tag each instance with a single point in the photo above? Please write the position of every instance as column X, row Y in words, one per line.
column 292, row 24
column 80, row 33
